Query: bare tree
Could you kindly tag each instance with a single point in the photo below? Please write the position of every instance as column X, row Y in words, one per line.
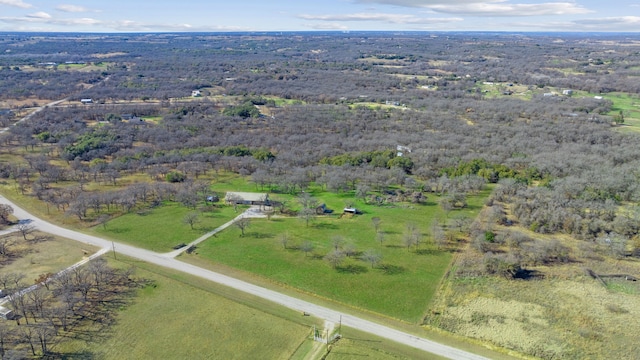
column 307, row 247
column 284, row 239
column 242, row 223
column 307, row 215
column 380, row 237
column 372, row 256
column 26, row 229
column 20, row 304
column 5, row 244
column 335, row 258
column 44, row 333
column 193, row 218
column 350, row 250
column 376, row 223
column 337, row 241
column 5, row 212
column 412, row 236
column 37, row 298
column 438, row 234
column 27, row 334
column 103, row 219
column 5, row 337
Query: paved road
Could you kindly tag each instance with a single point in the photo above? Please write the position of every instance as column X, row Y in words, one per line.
column 284, row 300
column 35, row 111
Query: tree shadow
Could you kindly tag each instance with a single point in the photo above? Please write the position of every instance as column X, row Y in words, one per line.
column 325, row 226
column 395, row 246
column 525, row 274
column 258, row 235
column 392, row 269
column 118, row 230
column 427, row 251
column 72, row 355
column 352, row 269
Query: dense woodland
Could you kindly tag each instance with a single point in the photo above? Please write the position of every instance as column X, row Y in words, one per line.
column 324, row 117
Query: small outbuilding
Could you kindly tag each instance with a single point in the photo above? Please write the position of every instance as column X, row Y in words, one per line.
column 7, row 314
column 86, row 101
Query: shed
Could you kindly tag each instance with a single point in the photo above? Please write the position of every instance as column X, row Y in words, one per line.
column 247, row 198
column 196, row 93
column 351, row 211
column 86, row 101
column 323, row 209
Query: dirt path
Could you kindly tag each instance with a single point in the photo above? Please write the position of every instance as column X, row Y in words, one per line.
column 285, row 300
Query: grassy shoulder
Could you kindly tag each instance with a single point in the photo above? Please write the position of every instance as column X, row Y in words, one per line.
column 357, row 344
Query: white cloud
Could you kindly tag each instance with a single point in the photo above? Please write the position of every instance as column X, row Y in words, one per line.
column 504, row 9
column 39, row 15
column 606, row 24
column 388, row 18
column 134, row 26
column 41, row 21
column 16, row 3
column 489, row 7
column 44, row 18
column 620, row 23
column 71, row 8
column 413, row 3
column 327, row 26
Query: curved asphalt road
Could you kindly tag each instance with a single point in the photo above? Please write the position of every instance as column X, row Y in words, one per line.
column 300, row 305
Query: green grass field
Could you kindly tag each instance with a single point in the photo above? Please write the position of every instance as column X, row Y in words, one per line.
column 161, row 228
column 180, row 317
column 413, row 273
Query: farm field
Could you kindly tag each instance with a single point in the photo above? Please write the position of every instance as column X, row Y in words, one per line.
column 191, row 321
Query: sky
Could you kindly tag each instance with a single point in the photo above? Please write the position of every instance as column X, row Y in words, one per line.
column 302, row 15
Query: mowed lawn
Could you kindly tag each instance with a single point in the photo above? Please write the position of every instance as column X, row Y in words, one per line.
column 401, row 286
column 161, row 228
column 173, row 319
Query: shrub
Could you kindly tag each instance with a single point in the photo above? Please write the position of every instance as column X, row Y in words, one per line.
column 175, row 176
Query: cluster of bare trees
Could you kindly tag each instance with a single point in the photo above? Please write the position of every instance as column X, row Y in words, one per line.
column 77, row 303
column 562, row 148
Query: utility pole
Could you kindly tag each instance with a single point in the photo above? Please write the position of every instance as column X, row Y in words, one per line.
column 113, row 247
column 327, row 332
